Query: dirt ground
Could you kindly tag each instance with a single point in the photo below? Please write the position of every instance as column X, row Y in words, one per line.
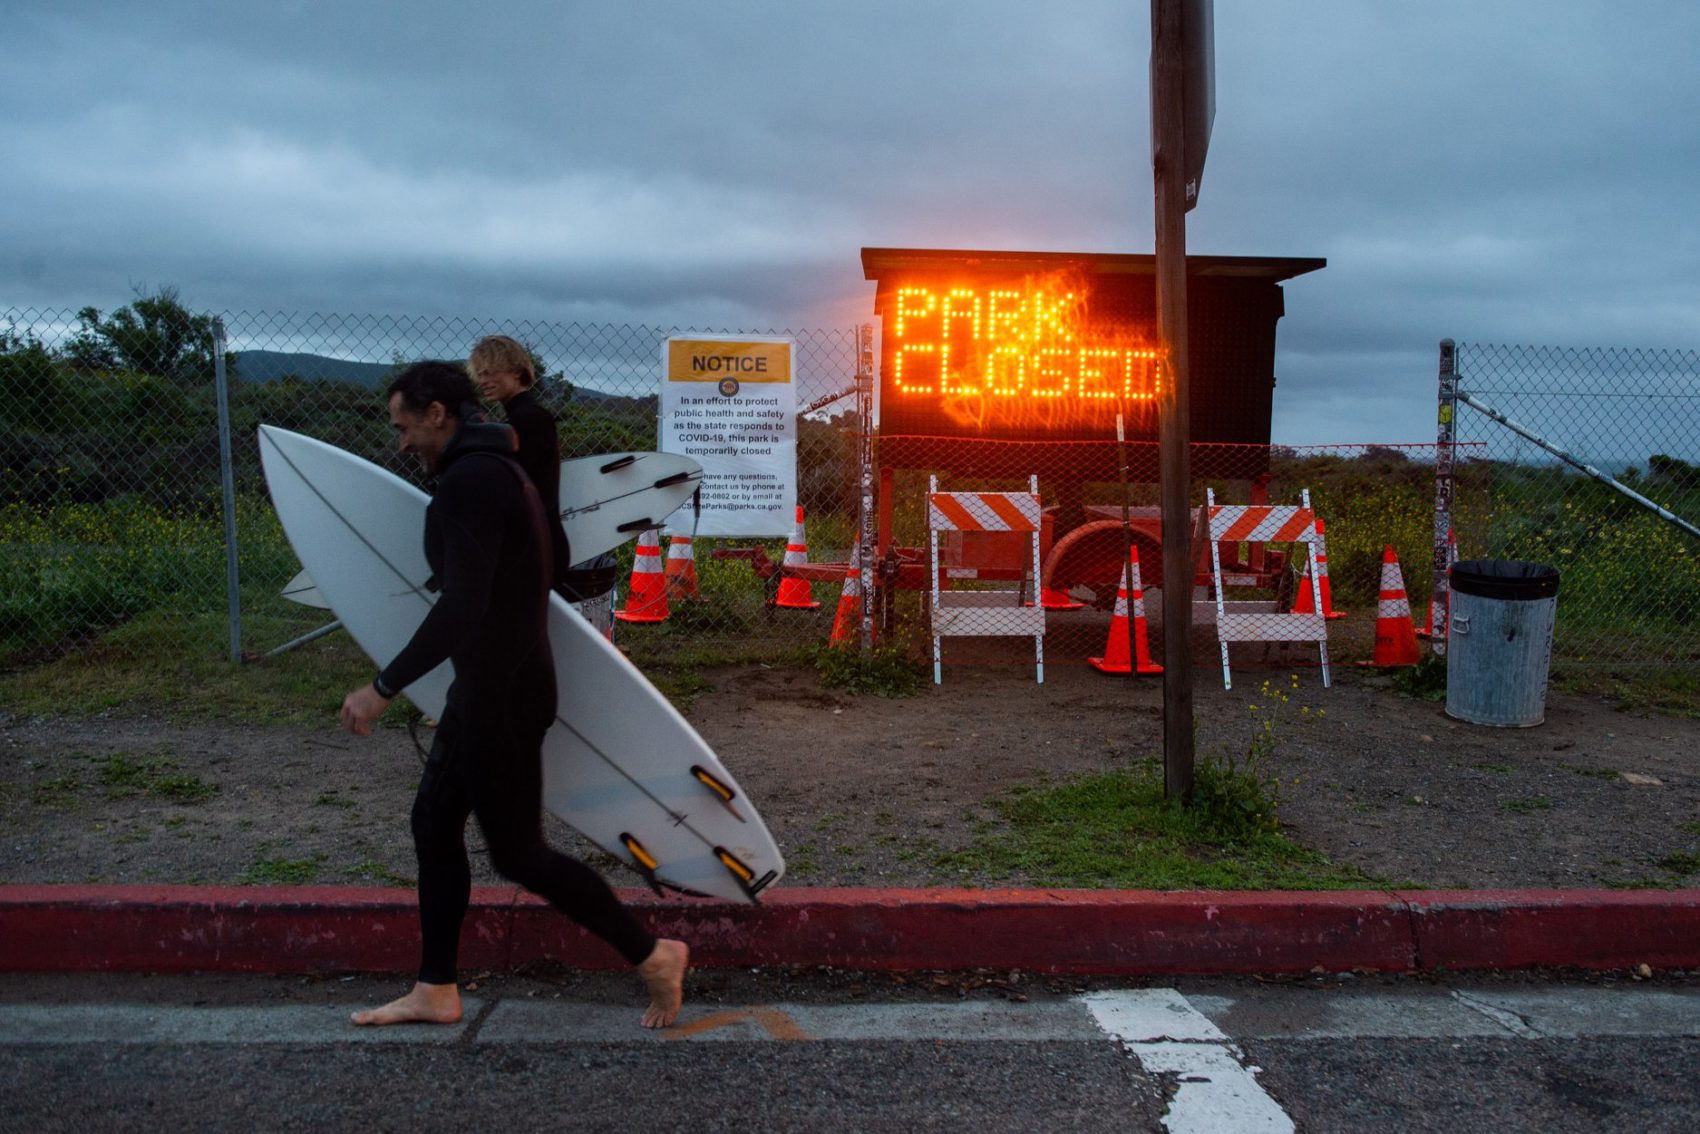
column 863, row 790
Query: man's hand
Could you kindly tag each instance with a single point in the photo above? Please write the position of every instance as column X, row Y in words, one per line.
column 361, row 707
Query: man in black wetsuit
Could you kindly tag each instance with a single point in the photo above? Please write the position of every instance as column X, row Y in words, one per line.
column 486, row 543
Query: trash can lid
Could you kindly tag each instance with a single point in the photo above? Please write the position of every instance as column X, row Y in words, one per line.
column 591, row 579
column 1512, row 579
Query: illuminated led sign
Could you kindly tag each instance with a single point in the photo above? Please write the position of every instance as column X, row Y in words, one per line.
column 1036, row 346
column 1008, row 358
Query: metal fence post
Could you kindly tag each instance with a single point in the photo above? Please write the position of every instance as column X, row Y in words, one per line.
column 1444, row 452
column 865, row 463
column 228, row 477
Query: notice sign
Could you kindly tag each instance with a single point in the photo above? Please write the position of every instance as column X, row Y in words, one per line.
column 731, row 403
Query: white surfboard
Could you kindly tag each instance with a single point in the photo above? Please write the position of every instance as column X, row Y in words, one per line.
column 605, row 501
column 620, row 764
column 609, row 499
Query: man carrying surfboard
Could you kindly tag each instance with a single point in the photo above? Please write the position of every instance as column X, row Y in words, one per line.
column 487, row 545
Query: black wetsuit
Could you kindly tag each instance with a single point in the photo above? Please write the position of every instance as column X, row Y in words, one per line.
column 540, row 457
column 485, row 543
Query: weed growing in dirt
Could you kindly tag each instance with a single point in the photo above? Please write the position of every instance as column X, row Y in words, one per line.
column 1597, row 773
column 1681, row 864
column 1237, row 795
column 1528, row 806
column 58, row 793
column 888, row 671
column 1426, row 681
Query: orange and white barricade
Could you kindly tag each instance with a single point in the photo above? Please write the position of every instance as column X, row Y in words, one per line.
column 1258, row 621
column 1007, row 611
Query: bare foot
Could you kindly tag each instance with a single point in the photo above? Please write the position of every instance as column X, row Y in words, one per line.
column 425, row 1004
column 663, row 973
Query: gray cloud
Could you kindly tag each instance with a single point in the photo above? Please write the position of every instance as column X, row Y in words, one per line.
column 1498, row 172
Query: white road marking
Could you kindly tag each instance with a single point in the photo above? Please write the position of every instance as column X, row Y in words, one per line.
column 1217, row 1093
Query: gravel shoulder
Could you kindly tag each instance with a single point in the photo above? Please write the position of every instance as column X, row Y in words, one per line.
column 865, row 790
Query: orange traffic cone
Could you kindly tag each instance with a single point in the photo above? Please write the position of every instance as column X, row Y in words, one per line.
column 681, row 569
column 646, row 598
column 1395, row 636
column 847, row 623
column 1051, row 598
column 794, row 592
column 1303, row 603
column 1436, row 627
column 1118, row 657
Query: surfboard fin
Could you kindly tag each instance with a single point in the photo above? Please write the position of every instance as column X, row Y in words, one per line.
column 747, row 880
column 616, row 465
column 676, row 478
column 721, row 791
column 642, row 861
column 646, row 865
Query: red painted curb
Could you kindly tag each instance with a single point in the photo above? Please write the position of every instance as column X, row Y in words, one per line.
column 1592, row 929
column 334, row 929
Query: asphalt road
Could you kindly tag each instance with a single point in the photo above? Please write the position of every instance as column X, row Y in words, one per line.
column 824, row 1050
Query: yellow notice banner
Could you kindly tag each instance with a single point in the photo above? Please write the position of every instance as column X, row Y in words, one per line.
column 711, row 360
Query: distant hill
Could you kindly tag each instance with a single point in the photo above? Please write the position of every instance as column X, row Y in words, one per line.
column 270, row 365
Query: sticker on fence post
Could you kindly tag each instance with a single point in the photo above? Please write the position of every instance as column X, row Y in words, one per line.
column 731, row 403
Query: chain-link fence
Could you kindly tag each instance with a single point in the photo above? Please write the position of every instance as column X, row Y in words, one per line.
column 113, row 511
column 1590, row 463
column 114, row 516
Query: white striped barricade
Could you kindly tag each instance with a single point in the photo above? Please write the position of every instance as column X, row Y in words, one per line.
column 986, row 611
column 1258, row 620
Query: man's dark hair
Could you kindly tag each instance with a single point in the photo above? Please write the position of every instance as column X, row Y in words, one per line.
column 434, row 381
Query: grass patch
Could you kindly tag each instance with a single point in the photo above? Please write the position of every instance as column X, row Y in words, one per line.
column 1497, row 769
column 1116, row 830
column 1681, row 864
column 59, row 794
column 177, row 665
column 125, row 777
column 1671, row 690
column 1597, row 773
column 680, row 686
column 887, row 671
column 1527, row 806
column 283, row 871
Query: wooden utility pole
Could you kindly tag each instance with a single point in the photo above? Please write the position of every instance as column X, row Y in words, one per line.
column 1168, row 162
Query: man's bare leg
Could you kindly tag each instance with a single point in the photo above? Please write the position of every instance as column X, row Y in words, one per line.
column 425, row 1004
column 663, row 973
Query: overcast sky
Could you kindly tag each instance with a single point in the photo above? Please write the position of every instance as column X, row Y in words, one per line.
column 1488, row 171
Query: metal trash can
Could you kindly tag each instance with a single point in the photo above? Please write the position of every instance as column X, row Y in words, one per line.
column 1499, row 641
column 589, row 587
